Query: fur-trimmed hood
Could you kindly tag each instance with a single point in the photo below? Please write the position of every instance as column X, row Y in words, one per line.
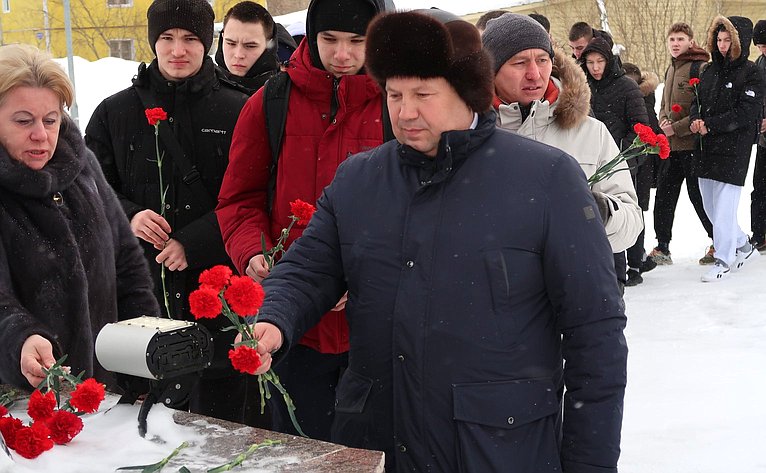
column 741, row 31
column 573, row 104
column 648, row 83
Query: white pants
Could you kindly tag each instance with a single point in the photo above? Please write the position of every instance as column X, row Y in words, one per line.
column 720, row 201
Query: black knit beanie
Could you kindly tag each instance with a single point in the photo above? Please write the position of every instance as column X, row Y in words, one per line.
column 510, row 34
column 192, row 15
column 350, row 16
column 759, row 32
column 417, row 44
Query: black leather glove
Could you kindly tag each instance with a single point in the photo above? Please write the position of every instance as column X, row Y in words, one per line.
column 603, row 204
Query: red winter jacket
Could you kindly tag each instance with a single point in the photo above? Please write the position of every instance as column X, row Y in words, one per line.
column 312, row 149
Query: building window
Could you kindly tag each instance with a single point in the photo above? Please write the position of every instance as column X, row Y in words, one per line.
column 6, row 6
column 122, row 48
column 119, row 3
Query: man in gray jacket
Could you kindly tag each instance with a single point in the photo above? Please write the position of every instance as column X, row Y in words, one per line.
column 544, row 96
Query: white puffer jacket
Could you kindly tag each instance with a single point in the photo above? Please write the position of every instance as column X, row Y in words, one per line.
column 566, row 125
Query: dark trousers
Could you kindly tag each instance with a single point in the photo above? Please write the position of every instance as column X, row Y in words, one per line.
column 621, row 267
column 310, row 379
column 673, row 171
column 643, row 183
column 758, row 197
column 222, row 398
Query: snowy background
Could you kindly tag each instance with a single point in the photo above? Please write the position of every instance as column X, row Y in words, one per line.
column 697, row 364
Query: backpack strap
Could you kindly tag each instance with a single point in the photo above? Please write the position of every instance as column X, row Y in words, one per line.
column 276, row 97
column 191, row 176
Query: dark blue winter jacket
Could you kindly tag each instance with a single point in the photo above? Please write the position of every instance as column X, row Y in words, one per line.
column 471, row 277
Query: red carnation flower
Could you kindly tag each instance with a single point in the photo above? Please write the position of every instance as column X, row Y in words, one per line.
column 662, row 142
column 216, row 277
column 694, row 81
column 154, row 115
column 676, row 108
column 64, row 426
column 645, row 134
column 8, row 428
column 30, row 442
column 204, row 303
column 87, row 396
column 244, row 296
column 302, row 210
column 3, row 411
column 245, row 359
column 41, row 405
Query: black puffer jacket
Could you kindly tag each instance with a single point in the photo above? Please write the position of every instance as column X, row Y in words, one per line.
column 731, row 97
column 615, row 99
column 69, row 263
column 202, row 111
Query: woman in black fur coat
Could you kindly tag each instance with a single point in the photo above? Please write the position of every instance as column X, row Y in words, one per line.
column 69, row 263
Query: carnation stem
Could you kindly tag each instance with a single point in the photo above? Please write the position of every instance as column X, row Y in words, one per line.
column 163, row 192
column 243, row 456
column 272, row 377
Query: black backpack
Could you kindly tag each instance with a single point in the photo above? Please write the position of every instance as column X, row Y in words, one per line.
column 276, row 96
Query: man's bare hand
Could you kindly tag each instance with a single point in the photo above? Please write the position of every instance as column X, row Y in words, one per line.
column 341, row 303
column 269, row 340
column 36, row 354
column 151, row 227
column 257, row 268
column 173, row 256
column 667, row 128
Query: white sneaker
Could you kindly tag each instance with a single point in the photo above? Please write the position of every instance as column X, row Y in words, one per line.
column 745, row 256
column 719, row 271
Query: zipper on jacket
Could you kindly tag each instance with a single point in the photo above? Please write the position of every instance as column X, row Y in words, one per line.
column 334, row 105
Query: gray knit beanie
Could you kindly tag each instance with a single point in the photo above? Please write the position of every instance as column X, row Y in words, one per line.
column 192, row 15
column 510, row 34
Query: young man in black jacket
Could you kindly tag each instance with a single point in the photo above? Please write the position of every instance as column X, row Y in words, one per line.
column 184, row 237
column 247, row 47
column 726, row 113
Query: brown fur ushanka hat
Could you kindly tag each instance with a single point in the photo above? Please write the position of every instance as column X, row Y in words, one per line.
column 411, row 44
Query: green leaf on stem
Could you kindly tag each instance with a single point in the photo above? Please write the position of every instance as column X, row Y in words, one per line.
column 154, row 467
column 243, row 456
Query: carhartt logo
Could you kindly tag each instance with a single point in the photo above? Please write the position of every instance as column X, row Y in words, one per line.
column 213, row 130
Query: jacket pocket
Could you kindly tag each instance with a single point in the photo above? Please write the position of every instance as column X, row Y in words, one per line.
column 352, row 425
column 352, row 392
column 513, row 276
column 508, row 426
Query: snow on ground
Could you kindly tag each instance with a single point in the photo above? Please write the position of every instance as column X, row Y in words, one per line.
column 697, row 360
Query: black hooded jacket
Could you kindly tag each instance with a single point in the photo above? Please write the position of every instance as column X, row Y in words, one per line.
column 730, row 102
column 202, row 111
column 615, row 99
column 266, row 66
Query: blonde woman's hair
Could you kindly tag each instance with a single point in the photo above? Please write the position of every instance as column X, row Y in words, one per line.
column 22, row 65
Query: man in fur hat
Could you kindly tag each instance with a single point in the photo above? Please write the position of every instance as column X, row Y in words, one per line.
column 465, row 296
column 543, row 95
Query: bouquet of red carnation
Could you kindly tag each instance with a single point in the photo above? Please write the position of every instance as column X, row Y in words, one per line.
column 645, row 142
column 51, row 422
column 301, row 214
column 237, row 297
